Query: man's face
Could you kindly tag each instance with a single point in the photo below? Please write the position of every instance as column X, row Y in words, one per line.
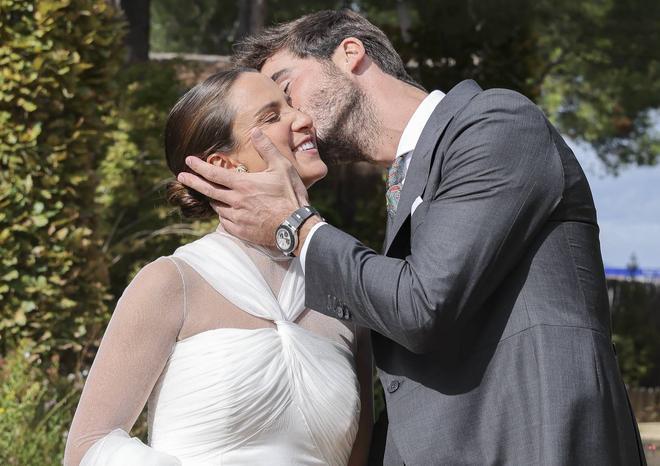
column 343, row 115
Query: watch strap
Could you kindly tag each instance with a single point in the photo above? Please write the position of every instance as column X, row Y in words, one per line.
column 300, row 215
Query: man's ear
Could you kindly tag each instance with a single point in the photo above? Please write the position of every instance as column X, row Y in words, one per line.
column 350, row 55
column 222, row 160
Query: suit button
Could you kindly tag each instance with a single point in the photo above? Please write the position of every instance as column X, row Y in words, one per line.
column 393, row 386
column 332, row 304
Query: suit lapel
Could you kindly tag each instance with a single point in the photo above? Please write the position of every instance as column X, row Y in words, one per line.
column 422, row 156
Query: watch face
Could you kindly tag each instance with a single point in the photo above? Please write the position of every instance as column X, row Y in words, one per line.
column 284, row 239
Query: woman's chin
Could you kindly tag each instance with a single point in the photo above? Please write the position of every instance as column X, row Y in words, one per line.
column 312, row 176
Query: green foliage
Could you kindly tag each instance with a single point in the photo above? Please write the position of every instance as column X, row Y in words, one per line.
column 82, row 171
column 201, row 26
column 136, row 224
column 212, row 26
column 602, row 78
column 58, row 61
column 35, row 412
column 636, row 326
column 593, row 66
column 634, row 359
column 82, row 165
column 352, row 199
column 452, row 40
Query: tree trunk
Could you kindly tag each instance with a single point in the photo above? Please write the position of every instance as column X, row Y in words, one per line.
column 257, row 15
column 137, row 39
column 405, row 21
column 251, row 17
column 243, row 27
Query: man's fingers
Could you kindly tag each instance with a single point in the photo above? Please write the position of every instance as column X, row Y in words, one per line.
column 266, row 148
column 224, row 211
column 218, row 207
column 230, row 227
column 217, row 175
column 205, row 187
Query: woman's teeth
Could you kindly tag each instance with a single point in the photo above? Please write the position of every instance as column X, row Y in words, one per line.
column 306, row 146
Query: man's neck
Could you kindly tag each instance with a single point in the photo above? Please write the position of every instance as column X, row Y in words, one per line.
column 395, row 103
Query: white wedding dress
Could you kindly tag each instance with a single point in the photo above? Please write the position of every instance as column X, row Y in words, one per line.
column 277, row 394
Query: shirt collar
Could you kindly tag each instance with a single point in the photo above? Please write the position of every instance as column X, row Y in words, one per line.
column 415, row 126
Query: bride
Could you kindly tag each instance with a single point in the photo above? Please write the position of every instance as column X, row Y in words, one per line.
column 215, row 338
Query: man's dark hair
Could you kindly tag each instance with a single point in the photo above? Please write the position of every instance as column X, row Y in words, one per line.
column 318, row 35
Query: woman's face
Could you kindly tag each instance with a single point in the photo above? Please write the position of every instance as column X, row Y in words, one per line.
column 260, row 103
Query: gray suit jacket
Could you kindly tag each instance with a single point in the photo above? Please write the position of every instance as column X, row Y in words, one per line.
column 489, row 307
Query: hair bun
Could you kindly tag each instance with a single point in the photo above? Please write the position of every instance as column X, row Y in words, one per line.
column 191, row 203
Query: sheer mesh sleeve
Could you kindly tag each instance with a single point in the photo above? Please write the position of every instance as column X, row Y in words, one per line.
column 133, row 352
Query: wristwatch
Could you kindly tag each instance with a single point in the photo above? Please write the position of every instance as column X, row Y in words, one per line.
column 286, row 235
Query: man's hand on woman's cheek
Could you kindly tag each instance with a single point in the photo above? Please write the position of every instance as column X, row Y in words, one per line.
column 250, row 205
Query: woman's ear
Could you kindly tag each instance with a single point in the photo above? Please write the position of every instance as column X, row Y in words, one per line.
column 222, row 160
column 350, row 55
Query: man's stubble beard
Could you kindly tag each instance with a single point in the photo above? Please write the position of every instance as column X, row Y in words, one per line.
column 345, row 120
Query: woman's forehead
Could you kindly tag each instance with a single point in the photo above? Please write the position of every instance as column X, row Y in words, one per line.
column 253, row 90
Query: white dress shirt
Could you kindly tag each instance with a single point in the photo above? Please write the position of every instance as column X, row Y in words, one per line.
column 407, row 143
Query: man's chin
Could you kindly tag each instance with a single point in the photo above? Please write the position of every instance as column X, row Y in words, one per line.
column 341, row 154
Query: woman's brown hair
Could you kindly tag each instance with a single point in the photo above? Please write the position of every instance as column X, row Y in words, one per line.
column 199, row 124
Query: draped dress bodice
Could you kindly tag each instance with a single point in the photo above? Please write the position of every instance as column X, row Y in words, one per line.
column 280, row 395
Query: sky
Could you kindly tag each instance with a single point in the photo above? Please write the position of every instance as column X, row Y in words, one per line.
column 628, row 209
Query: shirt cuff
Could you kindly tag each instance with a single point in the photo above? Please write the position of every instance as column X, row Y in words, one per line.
column 303, row 251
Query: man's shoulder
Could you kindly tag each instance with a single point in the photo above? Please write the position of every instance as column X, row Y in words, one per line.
column 503, row 107
column 467, row 103
column 502, row 99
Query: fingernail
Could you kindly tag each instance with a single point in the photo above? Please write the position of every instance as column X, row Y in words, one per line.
column 256, row 132
column 188, row 160
column 181, row 177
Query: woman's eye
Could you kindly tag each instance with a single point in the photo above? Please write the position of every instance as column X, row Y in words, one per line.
column 287, row 87
column 272, row 118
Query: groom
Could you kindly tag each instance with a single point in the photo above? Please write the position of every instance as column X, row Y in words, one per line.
column 488, row 305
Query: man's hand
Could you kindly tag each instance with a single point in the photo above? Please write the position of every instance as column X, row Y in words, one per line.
column 251, row 205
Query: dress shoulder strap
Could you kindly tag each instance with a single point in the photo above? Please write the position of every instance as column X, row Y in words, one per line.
column 230, row 271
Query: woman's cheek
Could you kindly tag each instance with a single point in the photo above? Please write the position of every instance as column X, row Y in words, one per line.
column 253, row 161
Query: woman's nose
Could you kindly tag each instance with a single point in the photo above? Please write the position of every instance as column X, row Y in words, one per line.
column 301, row 120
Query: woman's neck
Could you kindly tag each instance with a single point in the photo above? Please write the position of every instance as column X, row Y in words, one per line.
column 250, row 248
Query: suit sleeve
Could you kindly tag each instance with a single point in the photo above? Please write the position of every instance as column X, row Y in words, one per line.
column 501, row 179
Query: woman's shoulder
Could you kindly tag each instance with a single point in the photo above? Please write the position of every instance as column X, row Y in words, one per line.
column 153, row 303
column 163, row 271
column 155, row 298
column 160, row 279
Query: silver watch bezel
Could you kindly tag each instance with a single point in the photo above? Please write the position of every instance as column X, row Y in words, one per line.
column 293, row 233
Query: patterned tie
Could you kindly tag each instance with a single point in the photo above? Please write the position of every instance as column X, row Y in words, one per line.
column 395, row 176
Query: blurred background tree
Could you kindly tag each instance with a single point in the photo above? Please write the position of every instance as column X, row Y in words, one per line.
column 57, row 92
column 58, row 62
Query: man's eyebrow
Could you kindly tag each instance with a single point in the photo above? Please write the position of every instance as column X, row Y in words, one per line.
column 269, row 106
column 277, row 75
